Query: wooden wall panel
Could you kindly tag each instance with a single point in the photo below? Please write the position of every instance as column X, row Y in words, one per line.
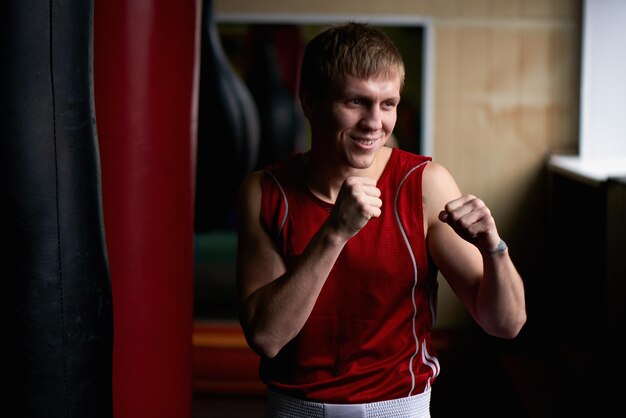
column 506, row 95
column 548, row 9
column 504, row 98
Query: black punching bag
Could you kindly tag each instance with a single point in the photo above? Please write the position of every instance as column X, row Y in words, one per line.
column 228, row 132
column 274, row 49
column 55, row 271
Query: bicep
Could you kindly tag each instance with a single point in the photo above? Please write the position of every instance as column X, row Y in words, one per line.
column 459, row 262
column 258, row 261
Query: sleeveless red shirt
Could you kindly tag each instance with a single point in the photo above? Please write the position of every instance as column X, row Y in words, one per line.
column 368, row 336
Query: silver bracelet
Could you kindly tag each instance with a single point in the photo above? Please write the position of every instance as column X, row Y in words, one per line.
column 499, row 248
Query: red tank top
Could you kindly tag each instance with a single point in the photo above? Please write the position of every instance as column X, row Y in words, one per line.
column 368, row 336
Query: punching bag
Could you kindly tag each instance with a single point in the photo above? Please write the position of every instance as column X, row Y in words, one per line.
column 55, row 273
column 228, row 132
column 145, row 72
column 271, row 74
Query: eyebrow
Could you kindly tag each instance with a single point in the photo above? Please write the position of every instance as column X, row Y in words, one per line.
column 356, row 93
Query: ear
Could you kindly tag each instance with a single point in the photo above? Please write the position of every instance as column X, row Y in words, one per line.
column 306, row 101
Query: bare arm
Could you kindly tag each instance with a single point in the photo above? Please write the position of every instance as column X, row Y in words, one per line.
column 461, row 237
column 276, row 302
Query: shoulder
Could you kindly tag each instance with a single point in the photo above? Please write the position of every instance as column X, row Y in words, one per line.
column 283, row 169
column 250, row 188
column 439, row 188
column 406, row 158
column 436, row 174
column 404, row 165
column 292, row 163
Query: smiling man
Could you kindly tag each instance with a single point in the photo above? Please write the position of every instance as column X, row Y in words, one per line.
column 339, row 248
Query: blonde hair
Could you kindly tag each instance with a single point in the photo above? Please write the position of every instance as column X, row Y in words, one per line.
column 351, row 49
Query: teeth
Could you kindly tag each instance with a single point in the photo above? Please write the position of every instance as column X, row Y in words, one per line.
column 365, row 141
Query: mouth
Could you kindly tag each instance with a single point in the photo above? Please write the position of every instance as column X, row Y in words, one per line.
column 364, row 141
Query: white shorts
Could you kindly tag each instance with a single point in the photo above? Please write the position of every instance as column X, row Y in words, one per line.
column 281, row 406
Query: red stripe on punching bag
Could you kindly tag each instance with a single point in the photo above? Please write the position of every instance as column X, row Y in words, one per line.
column 146, row 58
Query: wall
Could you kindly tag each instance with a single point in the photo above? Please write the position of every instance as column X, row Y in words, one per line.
column 505, row 95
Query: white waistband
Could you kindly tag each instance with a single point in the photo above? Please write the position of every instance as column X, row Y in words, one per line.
column 281, row 406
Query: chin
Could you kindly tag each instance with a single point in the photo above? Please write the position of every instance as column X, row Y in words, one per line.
column 361, row 162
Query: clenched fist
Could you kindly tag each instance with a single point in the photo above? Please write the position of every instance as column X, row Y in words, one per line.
column 358, row 201
column 471, row 219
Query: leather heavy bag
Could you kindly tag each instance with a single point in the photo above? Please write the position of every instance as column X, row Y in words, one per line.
column 55, row 273
column 228, row 132
column 271, row 67
column 145, row 72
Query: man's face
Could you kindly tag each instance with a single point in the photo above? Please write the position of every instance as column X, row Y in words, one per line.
column 356, row 118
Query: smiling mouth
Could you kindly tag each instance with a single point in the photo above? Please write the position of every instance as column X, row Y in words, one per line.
column 365, row 141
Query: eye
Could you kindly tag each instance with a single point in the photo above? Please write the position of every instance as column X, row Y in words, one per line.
column 390, row 104
column 357, row 101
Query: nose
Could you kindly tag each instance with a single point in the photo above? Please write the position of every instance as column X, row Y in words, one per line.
column 372, row 118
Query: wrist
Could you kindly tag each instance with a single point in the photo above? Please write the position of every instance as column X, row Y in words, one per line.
column 500, row 248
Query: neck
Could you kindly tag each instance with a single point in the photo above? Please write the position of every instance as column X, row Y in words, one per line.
column 324, row 176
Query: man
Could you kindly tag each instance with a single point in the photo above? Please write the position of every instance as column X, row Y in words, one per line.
column 339, row 248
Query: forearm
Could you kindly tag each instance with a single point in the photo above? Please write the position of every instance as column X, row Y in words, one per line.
column 500, row 303
column 273, row 315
